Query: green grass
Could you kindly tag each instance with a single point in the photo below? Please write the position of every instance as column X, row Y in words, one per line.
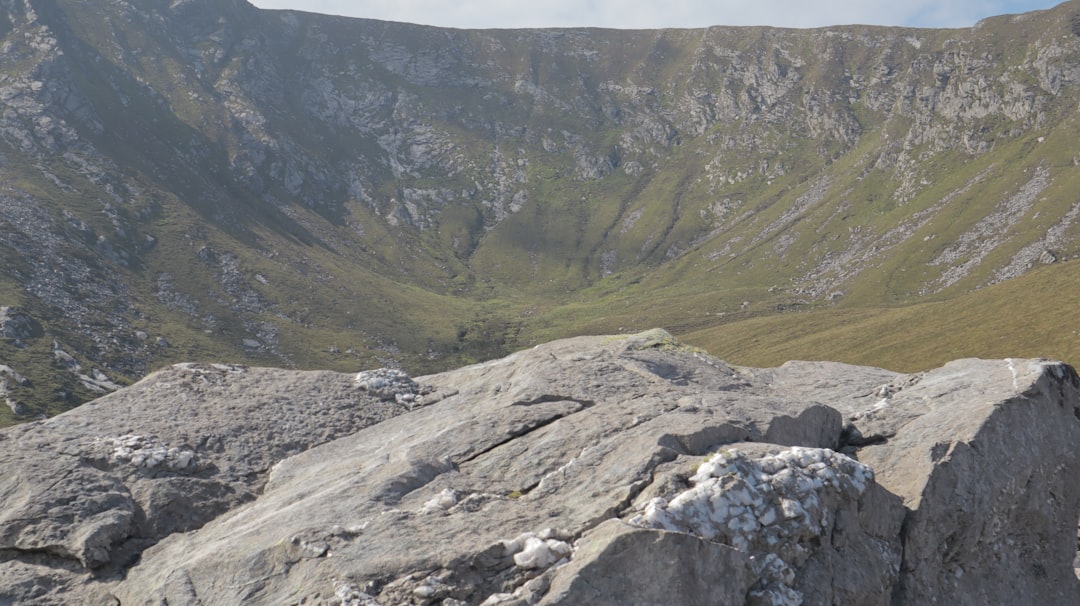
column 1024, row 318
column 468, row 289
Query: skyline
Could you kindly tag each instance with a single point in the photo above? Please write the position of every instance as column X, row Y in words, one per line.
column 641, row 14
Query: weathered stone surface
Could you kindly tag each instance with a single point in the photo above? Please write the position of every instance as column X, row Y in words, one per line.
column 989, row 471
column 618, row 564
column 984, row 455
column 591, row 470
column 58, row 505
column 815, row 526
column 90, row 489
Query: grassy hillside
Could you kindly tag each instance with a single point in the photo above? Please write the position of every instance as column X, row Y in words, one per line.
column 205, row 180
column 1028, row 317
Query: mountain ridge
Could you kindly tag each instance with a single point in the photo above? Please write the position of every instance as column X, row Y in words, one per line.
column 213, row 181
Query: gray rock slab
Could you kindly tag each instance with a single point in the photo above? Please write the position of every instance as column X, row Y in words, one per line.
column 98, row 484
column 985, row 456
column 617, row 564
column 512, row 482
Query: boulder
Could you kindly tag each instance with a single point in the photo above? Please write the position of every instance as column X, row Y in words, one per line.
column 599, row 470
column 988, row 473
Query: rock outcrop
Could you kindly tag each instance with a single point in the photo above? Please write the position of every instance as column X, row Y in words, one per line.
column 594, row 470
column 17, row 326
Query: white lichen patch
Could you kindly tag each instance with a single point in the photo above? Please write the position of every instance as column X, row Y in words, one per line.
column 537, row 550
column 441, row 502
column 737, row 498
column 541, row 553
column 778, row 590
column 769, row 507
column 147, row 453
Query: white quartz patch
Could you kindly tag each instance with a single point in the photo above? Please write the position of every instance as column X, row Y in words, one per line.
column 148, row 453
column 736, row 497
column 768, row 507
column 390, row 384
column 537, row 550
column 441, row 502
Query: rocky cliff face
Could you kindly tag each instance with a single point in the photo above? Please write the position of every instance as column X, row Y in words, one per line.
column 205, row 180
column 599, row 470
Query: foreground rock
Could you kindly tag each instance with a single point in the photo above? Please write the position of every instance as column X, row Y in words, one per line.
column 87, row 491
column 596, row 470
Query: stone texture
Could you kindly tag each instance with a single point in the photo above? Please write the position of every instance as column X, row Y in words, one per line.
column 815, row 526
column 675, row 568
column 989, row 473
column 554, row 476
column 89, row 490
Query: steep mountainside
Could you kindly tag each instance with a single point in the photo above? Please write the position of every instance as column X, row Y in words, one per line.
column 200, row 179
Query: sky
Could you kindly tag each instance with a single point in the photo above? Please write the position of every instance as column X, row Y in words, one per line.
column 650, row 14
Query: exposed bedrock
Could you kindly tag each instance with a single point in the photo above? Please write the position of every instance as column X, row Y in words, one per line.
column 594, row 470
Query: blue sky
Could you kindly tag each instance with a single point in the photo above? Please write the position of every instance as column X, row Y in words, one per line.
column 667, row 13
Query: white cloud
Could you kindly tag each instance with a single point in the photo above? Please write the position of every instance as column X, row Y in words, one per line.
column 667, row 13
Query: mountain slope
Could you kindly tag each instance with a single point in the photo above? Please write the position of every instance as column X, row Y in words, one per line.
column 206, row 180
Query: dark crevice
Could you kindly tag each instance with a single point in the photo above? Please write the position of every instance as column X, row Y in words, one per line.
column 19, row 553
column 900, row 588
column 548, row 398
column 530, row 427
column 526, row 490
column 422, row 473
column 706, row 440
column 42, row 556
column 620, row 509
column 419, row 474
